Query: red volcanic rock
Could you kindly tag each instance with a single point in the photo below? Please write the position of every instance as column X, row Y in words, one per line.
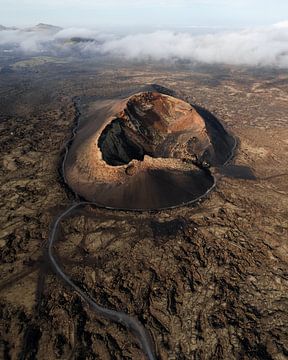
column 144, row 152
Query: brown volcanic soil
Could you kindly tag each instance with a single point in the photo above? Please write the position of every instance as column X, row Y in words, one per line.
column 208, row 282
column 144, row 152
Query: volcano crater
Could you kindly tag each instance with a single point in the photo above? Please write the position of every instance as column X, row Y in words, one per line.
column 148, row 151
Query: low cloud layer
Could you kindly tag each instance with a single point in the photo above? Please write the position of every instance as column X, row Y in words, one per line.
column 255, row 47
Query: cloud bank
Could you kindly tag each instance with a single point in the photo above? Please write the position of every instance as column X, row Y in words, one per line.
column 253, row 47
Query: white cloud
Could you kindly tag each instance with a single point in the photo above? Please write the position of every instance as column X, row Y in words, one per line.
column 281, row 25
column 76, row 32
column 265, row 46
column 256, row 46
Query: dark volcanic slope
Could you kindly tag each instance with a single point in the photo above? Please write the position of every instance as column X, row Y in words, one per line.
column 154, row 189
column 148, row 151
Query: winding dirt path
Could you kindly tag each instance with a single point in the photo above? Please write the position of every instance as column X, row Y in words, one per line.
column 129, row 322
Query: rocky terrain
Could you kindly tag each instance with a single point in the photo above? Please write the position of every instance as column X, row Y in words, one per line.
column 207, row 281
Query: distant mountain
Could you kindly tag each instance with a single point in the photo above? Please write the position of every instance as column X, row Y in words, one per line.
column 77, row 39
column 2, row 28
column 44, row 27
column 39, row 27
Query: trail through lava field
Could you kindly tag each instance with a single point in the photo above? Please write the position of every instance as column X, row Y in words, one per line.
column 206, row 281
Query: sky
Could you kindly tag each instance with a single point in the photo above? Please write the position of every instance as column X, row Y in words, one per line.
column 147, row 13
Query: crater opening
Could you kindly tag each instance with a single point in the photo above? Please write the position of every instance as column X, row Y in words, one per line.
column 117, row 147
column 147, row 151
column 155, row 125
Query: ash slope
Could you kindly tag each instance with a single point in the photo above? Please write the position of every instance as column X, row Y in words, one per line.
column 147, row 151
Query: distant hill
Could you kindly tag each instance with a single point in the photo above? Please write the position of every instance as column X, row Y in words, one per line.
column 76, row 40
column 44, row 27
column 38, row 27
column 2, row 28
